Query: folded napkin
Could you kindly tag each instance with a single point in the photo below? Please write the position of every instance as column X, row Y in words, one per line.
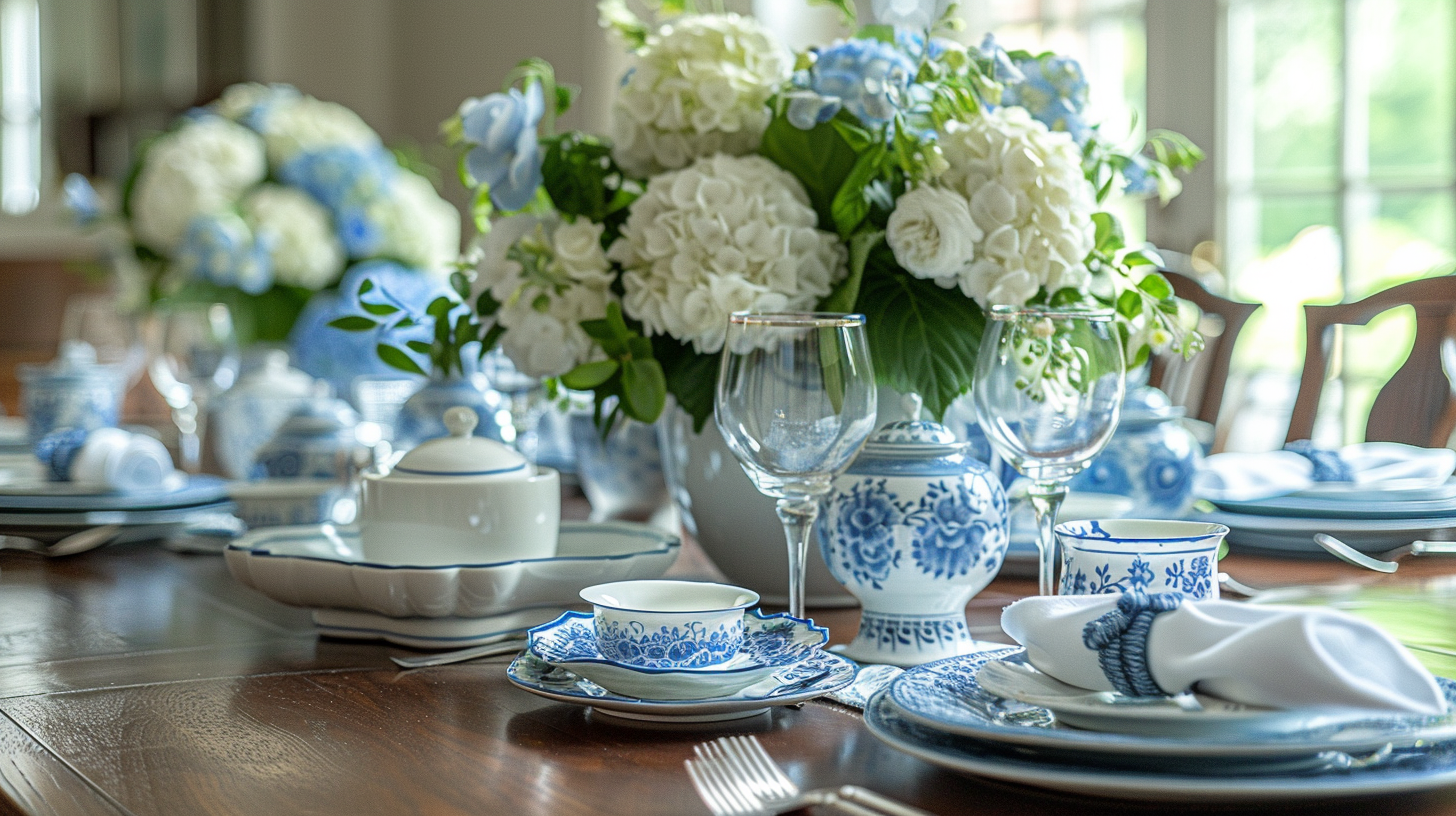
column 1253, row 476
column 1271, row 656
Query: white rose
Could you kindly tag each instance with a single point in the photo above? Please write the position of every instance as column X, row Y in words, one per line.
column 932, row 233
column 578, row 247
column 200, row 168
column 298, row 233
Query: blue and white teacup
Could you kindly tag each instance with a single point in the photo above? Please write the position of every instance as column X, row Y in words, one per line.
column 1123, row 555
column 668, row 624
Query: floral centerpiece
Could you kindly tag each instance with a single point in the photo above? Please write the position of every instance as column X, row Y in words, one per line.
column 264, row 198
column 896, row 173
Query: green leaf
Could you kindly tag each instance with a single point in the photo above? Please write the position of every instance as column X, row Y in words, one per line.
column 587, row 376
column 1157, row 286
column 616, row 323
column 398, row 359
column 440, row 307
column 644, row 389
column 1109, row 236
column 461, row 284
column 1223, row 548
column 353, row 323
column 379, row 309
column 481, row 208
column 883, row 33
column 851, row 206
column 598, row 330
column 419, row 346
column 486, row 304
column 692, row 378
column 1142, row 257
column 923, row 339
column 819, row 158
column 366, row 286
column 1129, row 305
column 842, row 298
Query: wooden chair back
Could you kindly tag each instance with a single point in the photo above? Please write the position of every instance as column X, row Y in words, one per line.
column 1417, row 406
column 1198, row 384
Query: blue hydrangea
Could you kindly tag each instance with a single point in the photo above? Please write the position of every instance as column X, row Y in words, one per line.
column 869, row 78
column 220, row 248
column 255, row 117
column 340, row 176
column 81, row 199
column 912, row 42
column 1138, row 181
column 506, row 155
column 1053, row 90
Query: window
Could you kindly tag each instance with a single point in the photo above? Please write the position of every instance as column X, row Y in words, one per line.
column 20, row 110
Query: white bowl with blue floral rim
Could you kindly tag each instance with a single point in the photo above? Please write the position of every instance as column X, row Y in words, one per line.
column 770, row 644
column 1151, row 555
column 668, row 624
column 914, row 528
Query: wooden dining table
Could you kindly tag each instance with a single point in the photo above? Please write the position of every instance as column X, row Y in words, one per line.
column 139, row 680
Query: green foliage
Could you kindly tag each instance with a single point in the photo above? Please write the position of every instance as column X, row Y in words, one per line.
column 583, row 180
column 692, row 378
column 820, row 158
column 631, row 377
column 452, row 327
column 923, row 339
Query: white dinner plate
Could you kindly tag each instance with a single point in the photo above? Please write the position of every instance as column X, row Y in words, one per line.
column 1296, row 535
column 1388, row 490
column 430, row 633
column 945, row 696
column 1406, row 770
column 28, row 495
column 321, row 566
column 822, row 673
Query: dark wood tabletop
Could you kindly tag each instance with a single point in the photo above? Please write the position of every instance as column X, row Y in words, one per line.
column 135, row 680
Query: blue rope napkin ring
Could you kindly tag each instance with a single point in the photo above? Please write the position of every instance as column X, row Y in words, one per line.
column 1120, row 639
column 1329, row 465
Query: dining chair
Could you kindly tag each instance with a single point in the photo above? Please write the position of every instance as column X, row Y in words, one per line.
column 1418, row 404
column 1198, row 383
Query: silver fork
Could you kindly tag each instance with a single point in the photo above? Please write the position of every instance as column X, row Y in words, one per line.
column 736, row 777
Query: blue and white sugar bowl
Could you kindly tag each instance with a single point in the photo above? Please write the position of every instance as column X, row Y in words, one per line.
column 914, row 529
column 73, row 391
column 1150, row 459
column 317, row 441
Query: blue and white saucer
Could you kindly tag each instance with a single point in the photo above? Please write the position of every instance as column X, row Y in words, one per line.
column 945, row 696
column 770, row 643
column 823, row 672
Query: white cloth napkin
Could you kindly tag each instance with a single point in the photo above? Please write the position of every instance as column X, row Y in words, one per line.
column 1271, row 656
column 1254, row 476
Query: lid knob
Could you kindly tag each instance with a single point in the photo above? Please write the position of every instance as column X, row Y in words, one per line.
column 461, row 421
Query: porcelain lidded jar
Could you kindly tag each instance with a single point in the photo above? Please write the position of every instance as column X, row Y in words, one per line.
column 317, row 441
column 1150, row 459
column 914, row 529
column 459, row 499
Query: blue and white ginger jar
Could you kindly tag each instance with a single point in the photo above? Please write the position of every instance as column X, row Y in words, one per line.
column 1150, row 459
column 419, row 418
column 318, row 441
column 914, row 529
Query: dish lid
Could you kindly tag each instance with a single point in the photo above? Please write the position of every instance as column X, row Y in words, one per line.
column 76, row 361
column 323, row 415
column 913, row 439
column 461, row 454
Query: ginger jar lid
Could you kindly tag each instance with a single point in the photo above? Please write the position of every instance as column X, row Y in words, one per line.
column 462, row 455
column 913, row 439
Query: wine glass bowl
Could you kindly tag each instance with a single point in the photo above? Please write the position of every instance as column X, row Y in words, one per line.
column 197, row 357
column 1048, row 390
column 795, row 402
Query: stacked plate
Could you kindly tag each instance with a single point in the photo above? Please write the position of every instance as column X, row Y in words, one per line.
column 1196, row 750
column 322, row 568
column 1370, row 518
column 781, row 663
column 31, row 507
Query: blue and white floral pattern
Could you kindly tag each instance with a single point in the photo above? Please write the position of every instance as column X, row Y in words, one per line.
column 691, row 645
column 1189, row 576
column 767, row 640
column 951, row 527
column 913, row 634
column 866, row 516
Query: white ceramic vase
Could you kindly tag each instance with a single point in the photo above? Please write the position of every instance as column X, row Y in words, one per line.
column 734, row 523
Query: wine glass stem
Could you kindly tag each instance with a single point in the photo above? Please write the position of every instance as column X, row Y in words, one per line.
column 1046, row 500
column 798, row 517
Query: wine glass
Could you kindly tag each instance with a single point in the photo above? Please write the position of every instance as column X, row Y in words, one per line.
column 1047, row 391
column 96, row 320
column 196, row 359
column 795, row 401
column 527, row 398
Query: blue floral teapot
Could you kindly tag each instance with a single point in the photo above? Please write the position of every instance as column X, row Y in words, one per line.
column 317, row 441
column 914, row 529
column 1151, row 458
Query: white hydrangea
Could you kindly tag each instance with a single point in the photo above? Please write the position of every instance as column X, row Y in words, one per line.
column 201, row 167
column 722, row 235
column 699, row 86
column 933, row 235
column 304, row 122
column 1028, row 196
column 548, row 276
column 242, row 98
column 420, row 228
column 298, row 233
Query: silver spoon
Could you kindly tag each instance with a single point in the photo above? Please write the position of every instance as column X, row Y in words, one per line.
column 1386, row 561
column 73, row 544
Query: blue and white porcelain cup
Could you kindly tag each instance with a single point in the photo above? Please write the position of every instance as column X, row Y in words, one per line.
column 74, row 391
column 1149, row 555
column 668, row 624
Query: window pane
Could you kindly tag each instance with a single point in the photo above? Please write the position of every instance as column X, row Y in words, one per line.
column 1405, row 45
column 1407, row 236
column 1296, row 94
